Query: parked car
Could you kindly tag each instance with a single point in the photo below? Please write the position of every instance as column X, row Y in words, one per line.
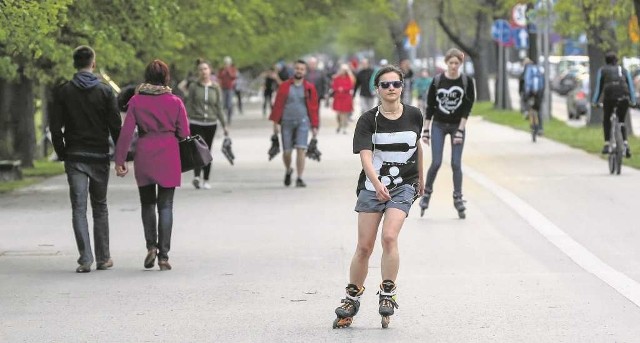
column 578, row 97
column 566, row 81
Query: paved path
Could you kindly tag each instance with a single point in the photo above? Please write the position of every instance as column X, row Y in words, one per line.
column 548, row 253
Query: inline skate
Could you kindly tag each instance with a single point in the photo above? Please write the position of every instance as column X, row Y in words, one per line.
column 387, row 301
column 349, row 308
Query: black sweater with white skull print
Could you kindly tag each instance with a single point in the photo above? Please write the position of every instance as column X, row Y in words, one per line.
column 450, row 102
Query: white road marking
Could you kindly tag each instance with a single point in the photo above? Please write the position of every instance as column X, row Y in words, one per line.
column 626, row 286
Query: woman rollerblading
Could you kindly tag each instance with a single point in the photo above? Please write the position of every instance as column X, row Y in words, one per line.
column 387, row 138
column 349, row 308
column 449, row 102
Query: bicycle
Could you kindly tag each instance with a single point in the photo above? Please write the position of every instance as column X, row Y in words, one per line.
column 616, row 141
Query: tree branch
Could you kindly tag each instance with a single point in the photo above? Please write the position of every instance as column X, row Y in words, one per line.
column 454, row 37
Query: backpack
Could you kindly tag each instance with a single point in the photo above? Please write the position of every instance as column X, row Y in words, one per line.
column 533, row 80
column 465, row 83
column 614, row 82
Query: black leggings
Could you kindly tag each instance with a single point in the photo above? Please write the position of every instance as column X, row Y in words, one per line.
column 207, row 132
column 621, row 112
column 267, row 102
column 157, row 230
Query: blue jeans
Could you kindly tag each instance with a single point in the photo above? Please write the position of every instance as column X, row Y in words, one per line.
column 227, row 95
column 438, row 132
column 157, row 230
column 89, row 179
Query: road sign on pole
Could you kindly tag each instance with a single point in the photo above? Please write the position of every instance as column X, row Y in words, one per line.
column 501, row 32
column 519, row 15
column 521, row 37
column 412, row 31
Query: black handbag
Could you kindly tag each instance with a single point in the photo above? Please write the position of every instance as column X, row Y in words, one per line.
column 194, row 153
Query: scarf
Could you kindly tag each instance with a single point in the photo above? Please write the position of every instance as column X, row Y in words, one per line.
column 149, row 89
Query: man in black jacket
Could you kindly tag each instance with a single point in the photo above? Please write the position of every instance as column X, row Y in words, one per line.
column 363, row 77
column 83, row 115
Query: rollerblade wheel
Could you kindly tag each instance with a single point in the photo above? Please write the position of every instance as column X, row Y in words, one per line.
column 385, row 321
column 462, row 215
column 339, row 323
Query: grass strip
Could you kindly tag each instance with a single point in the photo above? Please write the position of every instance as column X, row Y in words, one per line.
column 589, row 139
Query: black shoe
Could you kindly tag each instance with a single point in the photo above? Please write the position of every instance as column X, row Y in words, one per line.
column 84, row 268
column 605, row 149
column 300, row 183
column 287, row 177
column 105, row 265
column 627, row 150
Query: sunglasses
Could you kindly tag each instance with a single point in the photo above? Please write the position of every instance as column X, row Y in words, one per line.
column 387, row 84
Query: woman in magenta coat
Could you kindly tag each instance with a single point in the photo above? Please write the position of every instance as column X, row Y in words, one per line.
column 161, row 120
column 342, row 87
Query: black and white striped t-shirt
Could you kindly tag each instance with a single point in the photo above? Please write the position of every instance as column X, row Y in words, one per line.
column 394, row 144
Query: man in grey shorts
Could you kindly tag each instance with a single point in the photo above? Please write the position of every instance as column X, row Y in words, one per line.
column 295, row 110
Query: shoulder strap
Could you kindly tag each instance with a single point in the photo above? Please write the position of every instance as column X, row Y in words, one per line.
column 465, row 83
column 436, row 80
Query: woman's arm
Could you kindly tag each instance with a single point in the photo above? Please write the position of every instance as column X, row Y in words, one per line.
column 366, row 159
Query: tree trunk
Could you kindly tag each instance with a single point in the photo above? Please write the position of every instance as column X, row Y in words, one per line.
column 596, row 60
column 6, row 140
column 23, row 112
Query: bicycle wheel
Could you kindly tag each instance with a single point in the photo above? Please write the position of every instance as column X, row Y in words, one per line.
column 533, row 121
column 612, row 162
column 619, row 150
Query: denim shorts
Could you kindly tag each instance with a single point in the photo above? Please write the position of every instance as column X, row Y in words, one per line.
column 295, row 134
column 401, row 198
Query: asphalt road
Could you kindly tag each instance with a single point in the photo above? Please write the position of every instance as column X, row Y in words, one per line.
column 548, row 253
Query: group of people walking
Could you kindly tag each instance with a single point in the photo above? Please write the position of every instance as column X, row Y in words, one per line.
column 388, row 138
column 83, row 116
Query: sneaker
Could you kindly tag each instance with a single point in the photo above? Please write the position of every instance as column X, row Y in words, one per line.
column 287, row 177
column 206, row 185
column 627, row 150
column 84, row 268
column 164, row 265
column 605, row 149
column 196, row 183
column 105, row 265
column 300, row 183
column 150, row 259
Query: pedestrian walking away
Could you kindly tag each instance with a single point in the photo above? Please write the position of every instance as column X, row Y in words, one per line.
column 615, row 86
column 295, row 111
column 449, row 101
column 204, row 108
column 227, row 76
column 407, row 90
column 387, row 138
column 342, row 87
column 83, row 115
column 161, row 120
column 318, row 78
column 366, row 92
column 421, row 84
column 270, row 85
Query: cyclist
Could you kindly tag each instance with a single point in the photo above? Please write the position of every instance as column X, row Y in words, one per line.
column 533, row 91
column 615, row 85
